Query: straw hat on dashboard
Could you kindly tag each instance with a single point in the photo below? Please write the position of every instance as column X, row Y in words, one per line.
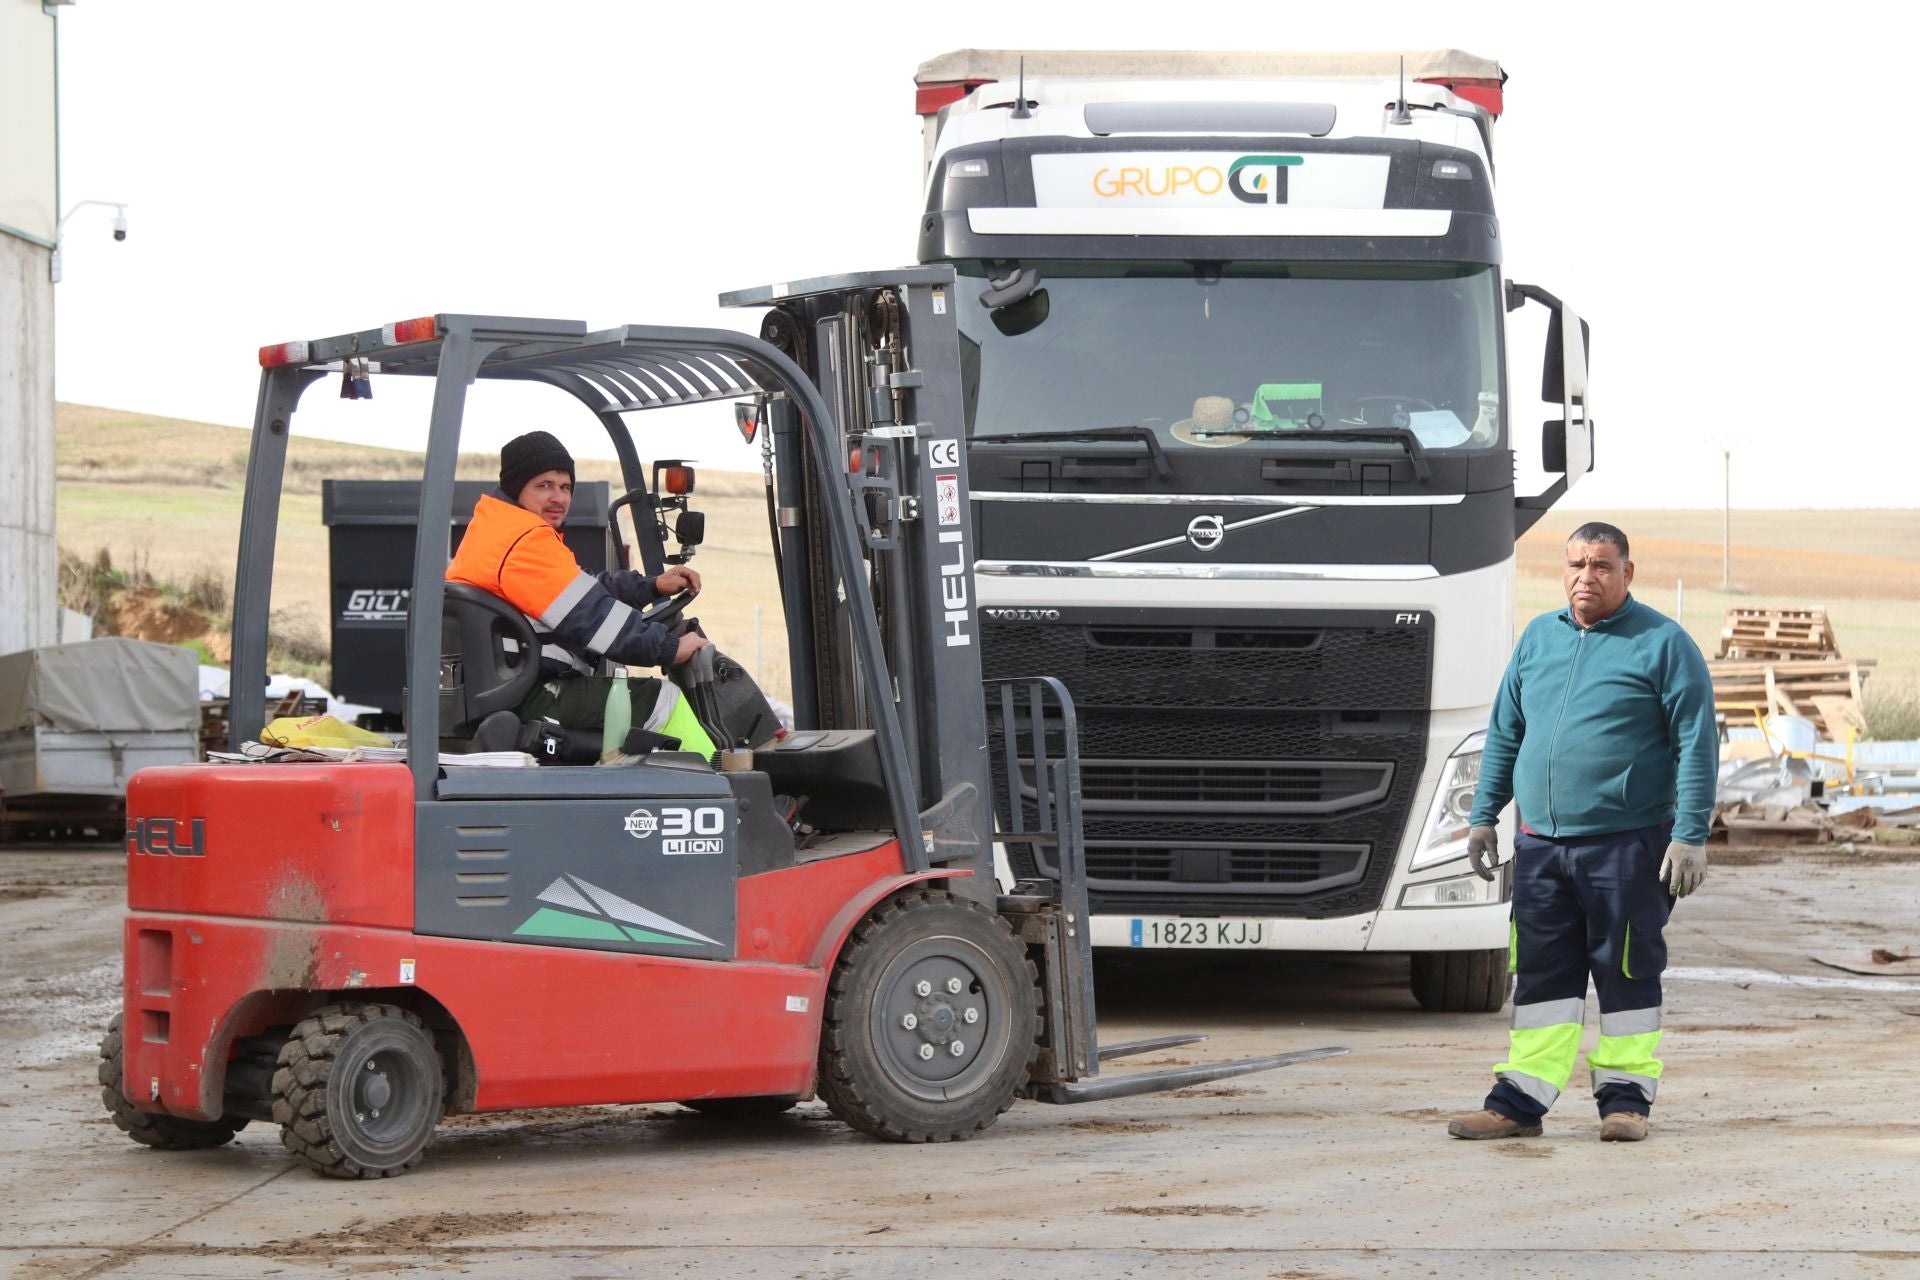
column 1210, row 413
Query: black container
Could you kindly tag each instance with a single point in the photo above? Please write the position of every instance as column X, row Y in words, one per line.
column 370, row 569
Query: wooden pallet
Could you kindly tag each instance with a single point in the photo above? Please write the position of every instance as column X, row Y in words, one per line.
column 1778, row 635
column 1826, row 692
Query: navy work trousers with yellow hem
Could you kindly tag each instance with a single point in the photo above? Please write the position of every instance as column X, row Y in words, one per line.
column 1585, row 905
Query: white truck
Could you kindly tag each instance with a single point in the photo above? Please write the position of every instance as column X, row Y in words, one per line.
column 1242, row 453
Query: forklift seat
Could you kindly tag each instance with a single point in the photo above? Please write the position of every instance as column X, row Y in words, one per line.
column 489, row 659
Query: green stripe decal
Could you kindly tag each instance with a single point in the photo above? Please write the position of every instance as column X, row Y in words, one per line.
column 1244, row 161
column 648, row 935
column 1513, row 946
column 548, row 923
column 1626, row 949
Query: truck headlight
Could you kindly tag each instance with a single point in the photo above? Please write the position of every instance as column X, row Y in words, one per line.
column 1447, row 816
column 1459, row 891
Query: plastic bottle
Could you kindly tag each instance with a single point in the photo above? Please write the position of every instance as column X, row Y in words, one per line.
column 619, row 714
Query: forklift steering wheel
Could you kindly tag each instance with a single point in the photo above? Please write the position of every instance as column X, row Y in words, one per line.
column 668, row 610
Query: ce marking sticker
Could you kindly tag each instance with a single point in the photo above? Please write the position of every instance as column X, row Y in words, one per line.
column 943, row 453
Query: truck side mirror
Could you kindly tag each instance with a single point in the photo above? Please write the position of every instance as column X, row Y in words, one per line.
column 1566, row 444
column 1563, row 378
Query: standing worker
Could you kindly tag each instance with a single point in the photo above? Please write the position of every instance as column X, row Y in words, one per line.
column 1603, row 732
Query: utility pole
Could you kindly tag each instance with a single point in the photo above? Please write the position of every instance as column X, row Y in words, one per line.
column 1726, row 518
column 1727, row 445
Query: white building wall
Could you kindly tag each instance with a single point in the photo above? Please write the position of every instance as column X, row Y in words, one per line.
column 29, row 217
column 29, row 614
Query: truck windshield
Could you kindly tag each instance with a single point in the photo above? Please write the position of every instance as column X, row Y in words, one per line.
column 1225, row 355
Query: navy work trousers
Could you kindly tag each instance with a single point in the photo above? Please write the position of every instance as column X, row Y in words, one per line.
column 1585, row 906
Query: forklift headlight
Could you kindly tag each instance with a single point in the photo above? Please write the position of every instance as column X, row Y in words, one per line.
column 1447, row 825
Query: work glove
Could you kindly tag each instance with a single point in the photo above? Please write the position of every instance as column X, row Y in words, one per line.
column 1684, row 867
column 1483, row 851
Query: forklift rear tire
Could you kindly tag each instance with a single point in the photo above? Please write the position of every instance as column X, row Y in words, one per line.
column 1461, row 981
column 358, row 1091
column 757, row 1108
column 899, row 1058
column 167, row 1133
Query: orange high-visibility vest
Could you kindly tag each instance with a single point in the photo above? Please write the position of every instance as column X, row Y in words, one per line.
column 514, row 554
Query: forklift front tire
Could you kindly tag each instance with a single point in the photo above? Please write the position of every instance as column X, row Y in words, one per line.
column 167, row 1133
column 932, row 1020
column 358, row 1091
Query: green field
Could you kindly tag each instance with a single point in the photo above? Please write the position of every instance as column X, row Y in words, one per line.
column 165, row 494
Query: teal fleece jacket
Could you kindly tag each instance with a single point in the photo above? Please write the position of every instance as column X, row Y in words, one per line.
column 1603, row 729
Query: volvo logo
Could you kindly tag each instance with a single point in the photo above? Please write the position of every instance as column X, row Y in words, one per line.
column 1206, row 532
column 1023, row 615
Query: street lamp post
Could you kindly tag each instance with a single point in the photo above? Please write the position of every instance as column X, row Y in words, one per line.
column 119, row 228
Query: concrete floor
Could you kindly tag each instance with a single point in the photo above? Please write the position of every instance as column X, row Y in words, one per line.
column 1786, row 1142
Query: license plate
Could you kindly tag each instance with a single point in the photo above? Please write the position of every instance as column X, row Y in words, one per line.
column 1150, row 932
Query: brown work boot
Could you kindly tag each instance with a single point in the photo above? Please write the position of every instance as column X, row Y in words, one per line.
column 1476, row 1125
column 1623, row 1126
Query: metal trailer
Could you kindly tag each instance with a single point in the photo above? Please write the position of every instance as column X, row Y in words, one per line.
column 351, row 950
column 78, row 720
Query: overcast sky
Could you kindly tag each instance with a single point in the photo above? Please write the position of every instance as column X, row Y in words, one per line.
column 1721, row 192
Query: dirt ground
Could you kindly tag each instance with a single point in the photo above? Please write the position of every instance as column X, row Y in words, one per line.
column 1785, row 1142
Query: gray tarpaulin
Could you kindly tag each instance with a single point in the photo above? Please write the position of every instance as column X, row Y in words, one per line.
column 111, row 685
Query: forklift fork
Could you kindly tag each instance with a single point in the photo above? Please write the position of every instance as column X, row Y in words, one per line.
column 1031, row 728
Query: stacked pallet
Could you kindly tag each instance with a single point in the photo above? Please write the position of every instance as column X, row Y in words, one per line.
column 1786, row 662
column 1778, row 635
column 1827, row 693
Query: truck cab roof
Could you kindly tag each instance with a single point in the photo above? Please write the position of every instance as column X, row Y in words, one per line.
column 967, row 96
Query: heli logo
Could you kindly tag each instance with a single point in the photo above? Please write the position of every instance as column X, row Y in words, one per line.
column 1206, row 533
column 163, row 837
column 945, row 452
column 1261, row 179
column 1023, row 615
column 377, row 604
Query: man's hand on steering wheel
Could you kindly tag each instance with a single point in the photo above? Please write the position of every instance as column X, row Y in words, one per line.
column 677, row 579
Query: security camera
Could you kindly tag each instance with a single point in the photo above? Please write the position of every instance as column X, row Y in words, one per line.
column 120, row 226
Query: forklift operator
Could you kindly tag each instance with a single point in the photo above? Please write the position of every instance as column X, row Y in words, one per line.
column 513, row 549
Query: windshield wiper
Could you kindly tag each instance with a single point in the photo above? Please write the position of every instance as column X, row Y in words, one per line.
column 1416, row 452
column 1144, row 434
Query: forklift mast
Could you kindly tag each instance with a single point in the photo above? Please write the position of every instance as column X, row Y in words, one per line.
column 883, row 351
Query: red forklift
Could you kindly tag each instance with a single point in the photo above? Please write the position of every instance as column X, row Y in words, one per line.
column 353, row 949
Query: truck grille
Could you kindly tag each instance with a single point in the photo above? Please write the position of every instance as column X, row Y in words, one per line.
column 1233, row 769
column 1255, row 786
column 1225, row 868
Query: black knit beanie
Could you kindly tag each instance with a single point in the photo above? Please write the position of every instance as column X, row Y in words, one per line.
column 527, row 456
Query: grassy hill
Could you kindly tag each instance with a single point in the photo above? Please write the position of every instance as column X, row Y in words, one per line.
column 162, row 497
